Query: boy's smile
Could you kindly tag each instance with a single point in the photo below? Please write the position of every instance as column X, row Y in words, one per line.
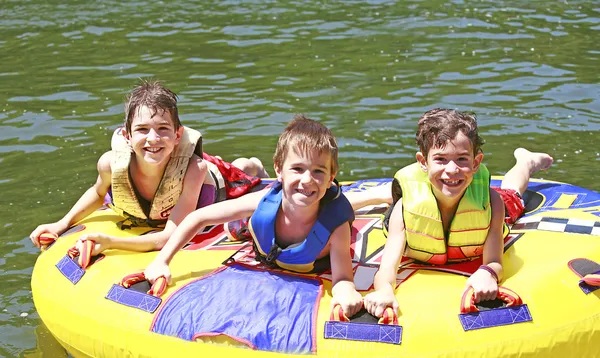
column 153, row 138
column 305, row 177
column 305, row 192
column 451, row 169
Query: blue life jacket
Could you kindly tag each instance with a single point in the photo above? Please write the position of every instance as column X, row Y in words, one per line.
column 334, row 211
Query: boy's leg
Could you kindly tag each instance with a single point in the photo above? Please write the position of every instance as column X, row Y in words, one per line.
column 251, row 166
column 528, row 163
column 237, row 230
column 381, row 194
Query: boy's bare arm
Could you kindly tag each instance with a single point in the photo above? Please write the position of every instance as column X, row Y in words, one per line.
column 385, row 279
column 93, row 198
column 218, row 213
column 343, row 288
column 89, row 202
column 192, row 185
column 494, row 244
column 339, row 254
column 213, row 214
column 392, row 251
column 483, row 282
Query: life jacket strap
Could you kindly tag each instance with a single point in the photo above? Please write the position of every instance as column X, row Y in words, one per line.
column 132, row 221
column 273, row 254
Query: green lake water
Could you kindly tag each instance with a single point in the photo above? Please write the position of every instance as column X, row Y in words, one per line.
column 367, row 69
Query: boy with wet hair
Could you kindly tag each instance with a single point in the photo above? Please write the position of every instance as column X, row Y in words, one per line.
column 154, row 174
column 302, row 218
column 444, row 209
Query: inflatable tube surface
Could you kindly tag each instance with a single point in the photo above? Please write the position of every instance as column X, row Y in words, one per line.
column 222, row 302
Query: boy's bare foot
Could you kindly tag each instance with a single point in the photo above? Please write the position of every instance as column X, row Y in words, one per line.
column 251, row 166
column 534, row 161
column 261, row 172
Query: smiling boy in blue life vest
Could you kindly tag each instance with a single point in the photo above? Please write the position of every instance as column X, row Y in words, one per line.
column 444, row 210
column 301, row 219
column 154, row 175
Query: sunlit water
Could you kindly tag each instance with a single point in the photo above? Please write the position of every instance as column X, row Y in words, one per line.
column 368, row 70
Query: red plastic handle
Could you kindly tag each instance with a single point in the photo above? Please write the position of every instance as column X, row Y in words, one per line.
column 467, row 304
column 389, row 315
column 592, row 279
column 158, row 287
column 85, row 255
column 47, row 239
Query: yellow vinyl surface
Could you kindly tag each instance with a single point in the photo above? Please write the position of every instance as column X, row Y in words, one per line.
column 566, row 322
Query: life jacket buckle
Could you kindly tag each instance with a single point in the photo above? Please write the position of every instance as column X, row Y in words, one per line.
column 132, row 221
column 125, row 224
column 273, row 254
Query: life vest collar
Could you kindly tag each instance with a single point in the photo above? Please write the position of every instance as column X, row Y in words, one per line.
column 425, row 236
column 124, row 199
column 334, row 211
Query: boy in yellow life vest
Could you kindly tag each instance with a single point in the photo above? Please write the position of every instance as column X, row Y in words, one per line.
column 444, row 209
column 299, row 221
column 154, row 175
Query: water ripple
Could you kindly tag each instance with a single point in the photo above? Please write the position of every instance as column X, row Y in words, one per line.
column 242, row 69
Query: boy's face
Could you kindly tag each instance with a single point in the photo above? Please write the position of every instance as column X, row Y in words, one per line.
column 451, row 169
column 305, row 177
column 153, row 138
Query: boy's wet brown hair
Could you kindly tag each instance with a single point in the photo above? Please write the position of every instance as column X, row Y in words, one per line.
column 153, row 95
column 438, row 126
column 305, row 135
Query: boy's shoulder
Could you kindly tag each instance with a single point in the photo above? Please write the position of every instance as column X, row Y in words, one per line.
column 104, row 168
column 196, row 165
column 496, row 201
column 104, row 162
column 118, row 141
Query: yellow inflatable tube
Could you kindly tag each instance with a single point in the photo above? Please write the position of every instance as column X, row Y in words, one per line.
column 562, row 224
